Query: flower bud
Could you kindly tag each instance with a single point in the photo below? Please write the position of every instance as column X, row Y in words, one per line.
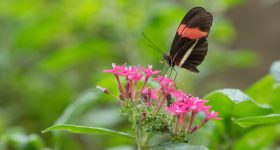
column 104, row 90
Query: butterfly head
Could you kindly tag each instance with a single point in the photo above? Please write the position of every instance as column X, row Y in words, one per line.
column 166, row 58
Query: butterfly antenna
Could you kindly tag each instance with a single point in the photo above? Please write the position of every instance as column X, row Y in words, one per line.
column 152, row 45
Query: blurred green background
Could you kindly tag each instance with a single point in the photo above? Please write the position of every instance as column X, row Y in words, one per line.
column 52, row 53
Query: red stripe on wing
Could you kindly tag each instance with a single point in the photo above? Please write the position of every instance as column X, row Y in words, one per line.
column 191, row 33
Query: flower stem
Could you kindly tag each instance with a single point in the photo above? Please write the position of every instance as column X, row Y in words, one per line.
column 144, row 141
column 160, row 105
column 143, row 86
column 191, row 122
column 183, row 121
column 136, row 129
column 177, row 123
column 119, row 85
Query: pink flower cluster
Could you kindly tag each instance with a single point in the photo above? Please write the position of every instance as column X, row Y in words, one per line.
column 132, row 75
column 178, row 103
column 187, row 104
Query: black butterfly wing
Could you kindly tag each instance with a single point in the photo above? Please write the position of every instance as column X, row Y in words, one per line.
column 194, row 26
column 197, row 55
column 199, row 19
column 181, row 44
column 179, row 49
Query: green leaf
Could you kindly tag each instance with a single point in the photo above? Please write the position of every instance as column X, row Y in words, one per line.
column 266, row 91
column 16, row 138
column 275, row 70
column 275, row 96
column 121, row 147
column 86, row 100
column 87, row 130
column 257, row 139
column 261, row 91
column 178, row 146
column 258, row 120
column 235, row 103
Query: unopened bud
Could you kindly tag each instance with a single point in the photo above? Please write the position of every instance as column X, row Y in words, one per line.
column 169, row 100
column 121, row 97
column 104, row 90
column 128, row 92
column 143, row 116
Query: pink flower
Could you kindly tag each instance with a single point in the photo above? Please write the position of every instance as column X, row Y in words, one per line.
column 195, row 103
column 212, row 115
column 149, row 71
column 209, row 115
column 153, row 93
column 164, row 80
column 148, row 94
column 179, row 95
column 186, row 103
column 117, row 70
column 132, row 73
column 177, row 108
column 166, row 84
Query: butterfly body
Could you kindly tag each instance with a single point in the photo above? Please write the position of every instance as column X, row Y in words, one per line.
column 190, row 46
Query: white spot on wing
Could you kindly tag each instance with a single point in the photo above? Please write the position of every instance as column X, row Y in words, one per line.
column 187, row 54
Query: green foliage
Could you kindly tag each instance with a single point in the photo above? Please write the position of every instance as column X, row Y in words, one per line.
column 147, row 119
column 235, row 103
column 257, row 110
column 257, row 138
column 159, row 123
column 84, row 102
column 17, row 139
column 50, row 51
column 258, row 120
column 178, row 146
column 87, row 130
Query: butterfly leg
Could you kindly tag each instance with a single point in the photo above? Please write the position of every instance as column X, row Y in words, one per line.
column 176, row 73
column 170, row 72
column 166, row 70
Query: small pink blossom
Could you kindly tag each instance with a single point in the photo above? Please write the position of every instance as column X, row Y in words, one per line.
column 132, row 73
column 177, row 108
column 166, row 84
column 197, row 104
column 164, row 81
column 179, row 95
column 117, row 70
column 209, row 115
column 153, row 93
column 149, row 71
column 212, row 115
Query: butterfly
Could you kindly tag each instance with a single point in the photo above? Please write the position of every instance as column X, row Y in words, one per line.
column 190, row 46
